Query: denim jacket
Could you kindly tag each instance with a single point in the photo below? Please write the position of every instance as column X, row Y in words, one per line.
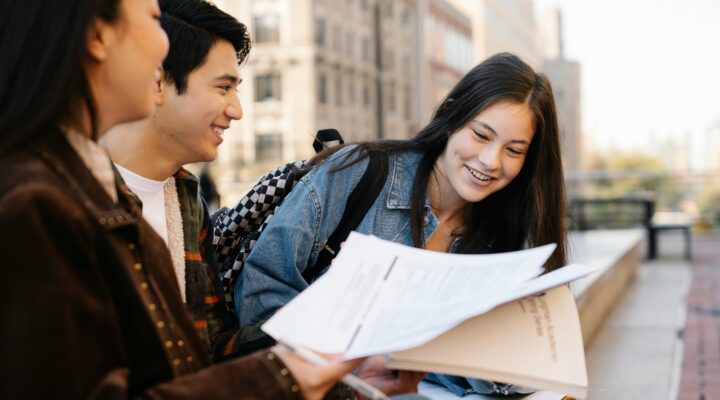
column 272, row 275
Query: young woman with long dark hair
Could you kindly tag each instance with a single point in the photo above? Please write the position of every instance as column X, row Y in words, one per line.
column 484, row 176
column 89, row 302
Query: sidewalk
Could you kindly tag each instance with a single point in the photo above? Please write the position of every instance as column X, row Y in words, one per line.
column 700, row 378
column 638, row 351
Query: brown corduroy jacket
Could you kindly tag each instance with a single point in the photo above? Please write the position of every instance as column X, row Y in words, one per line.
column 89, row 303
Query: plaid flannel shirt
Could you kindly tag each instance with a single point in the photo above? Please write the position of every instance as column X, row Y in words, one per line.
column 212, row 318
column 202, row 299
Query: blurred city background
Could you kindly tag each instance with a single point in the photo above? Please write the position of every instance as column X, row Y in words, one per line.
column 636, row 84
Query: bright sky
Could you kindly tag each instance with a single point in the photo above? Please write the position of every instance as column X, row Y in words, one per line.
column 650, row 68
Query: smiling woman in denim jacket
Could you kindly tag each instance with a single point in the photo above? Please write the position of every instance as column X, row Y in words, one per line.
column 484, row 176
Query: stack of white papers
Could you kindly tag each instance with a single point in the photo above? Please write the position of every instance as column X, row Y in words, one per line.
column 381, row 297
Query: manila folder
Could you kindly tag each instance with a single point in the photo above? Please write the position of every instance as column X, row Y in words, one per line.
column 535, row 342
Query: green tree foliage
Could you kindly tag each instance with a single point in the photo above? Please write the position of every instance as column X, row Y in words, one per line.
column 636, row 173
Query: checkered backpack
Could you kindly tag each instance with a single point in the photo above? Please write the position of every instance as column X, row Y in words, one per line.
column 237, row 229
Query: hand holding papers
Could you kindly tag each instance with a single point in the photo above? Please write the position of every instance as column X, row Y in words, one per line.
column 381, row 297
column 354, row 382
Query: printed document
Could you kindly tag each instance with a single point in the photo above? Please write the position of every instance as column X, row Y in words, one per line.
column 381, row 297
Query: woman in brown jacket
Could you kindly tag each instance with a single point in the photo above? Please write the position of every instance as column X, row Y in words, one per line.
column 88, row 302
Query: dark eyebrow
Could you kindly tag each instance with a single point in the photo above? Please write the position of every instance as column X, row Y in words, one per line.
column 230, row 78
column 486, row 126
column 490, row 128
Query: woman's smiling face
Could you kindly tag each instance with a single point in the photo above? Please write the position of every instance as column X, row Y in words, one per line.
column 486, row 154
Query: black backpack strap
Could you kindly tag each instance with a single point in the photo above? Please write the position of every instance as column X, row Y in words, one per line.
column 326, row 135
column 358, row 204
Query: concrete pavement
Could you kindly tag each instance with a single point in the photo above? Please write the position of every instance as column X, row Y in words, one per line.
column 661, row 340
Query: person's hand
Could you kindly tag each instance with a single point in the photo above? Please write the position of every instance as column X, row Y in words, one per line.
column 390, row 382
column 315, row 380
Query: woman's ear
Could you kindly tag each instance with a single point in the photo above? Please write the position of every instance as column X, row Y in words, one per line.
column 161, row 88
column 99, row 36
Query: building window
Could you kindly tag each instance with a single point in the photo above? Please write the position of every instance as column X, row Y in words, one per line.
column 408, row 104
column 338, row 91
column 268, row 147
column 389, row 60
column 391, row 99
column 322, row 89
column 238, row 157
column 406, row 16
column 350, row 48
column 366, row 96
column 351, row 91
column 266, row 29
column 365, row 49
column 337, row 38
column 320, row 31
column 268, row 87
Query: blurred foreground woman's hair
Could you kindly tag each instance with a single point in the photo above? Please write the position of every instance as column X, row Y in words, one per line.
column 42, row 78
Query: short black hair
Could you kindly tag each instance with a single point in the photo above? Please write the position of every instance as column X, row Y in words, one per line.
column 193, row 27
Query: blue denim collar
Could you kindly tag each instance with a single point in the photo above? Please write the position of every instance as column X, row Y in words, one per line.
column 403, row 167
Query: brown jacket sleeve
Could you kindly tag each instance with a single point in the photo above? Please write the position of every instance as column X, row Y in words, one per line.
column 63, row 312
column 257, row 376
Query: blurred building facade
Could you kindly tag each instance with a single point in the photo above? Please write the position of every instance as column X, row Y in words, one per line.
column 565, row 77
column 350, row 65
column 502, row 26
column 373, row 69
column 448, row 52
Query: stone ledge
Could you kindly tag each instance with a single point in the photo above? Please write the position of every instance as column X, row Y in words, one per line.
column 618, row 252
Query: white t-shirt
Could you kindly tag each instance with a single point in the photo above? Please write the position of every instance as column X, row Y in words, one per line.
column 152, row 195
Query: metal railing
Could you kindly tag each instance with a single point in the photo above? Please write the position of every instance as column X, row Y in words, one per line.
column 696, row 194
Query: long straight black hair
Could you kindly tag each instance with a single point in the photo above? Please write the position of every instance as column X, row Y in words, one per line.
column 528, row 212
column 42, row 79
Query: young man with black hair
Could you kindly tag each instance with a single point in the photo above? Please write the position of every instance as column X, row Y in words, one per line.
column 196, row 101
